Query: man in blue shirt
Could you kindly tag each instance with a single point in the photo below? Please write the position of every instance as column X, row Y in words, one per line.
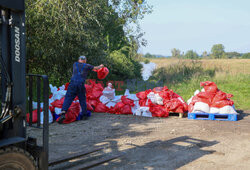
column 77, row 86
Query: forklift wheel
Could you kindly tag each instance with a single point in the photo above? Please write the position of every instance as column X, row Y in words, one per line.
column 16, row 158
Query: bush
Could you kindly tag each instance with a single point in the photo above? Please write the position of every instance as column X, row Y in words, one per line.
column 146, row 61
column 181, row 72
column 122, row 67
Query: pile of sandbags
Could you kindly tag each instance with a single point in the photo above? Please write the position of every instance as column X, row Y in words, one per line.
column 211, row 100
column 160, row 102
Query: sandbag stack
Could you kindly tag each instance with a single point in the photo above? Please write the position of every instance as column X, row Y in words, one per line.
column 211, row 100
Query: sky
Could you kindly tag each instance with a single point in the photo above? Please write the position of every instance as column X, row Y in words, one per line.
column 196, row 25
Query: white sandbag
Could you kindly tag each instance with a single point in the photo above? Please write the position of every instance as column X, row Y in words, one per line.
column 227, row 110
column 158, row 99
column 62, row 87
column 155, row 98
column 180, row 99
column 126, row 92
column 104, row 99
column 34, row 105
column 135, row 108
column 143, row 111
column 50, row 117
column 214, row 110
column 117, row 99
column 151, row 96
column 130, row 96
column 190, row 100
column 109, row 92
column 58, row 110
column 200, row 107
column 197, row 92
column 53, row 89
column 133, row 97
column 59, row 94
column 109, row 104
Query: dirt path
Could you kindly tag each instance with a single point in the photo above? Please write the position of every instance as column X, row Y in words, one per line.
column 153, row 143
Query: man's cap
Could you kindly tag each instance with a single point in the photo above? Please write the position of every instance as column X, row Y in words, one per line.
column 82, row 57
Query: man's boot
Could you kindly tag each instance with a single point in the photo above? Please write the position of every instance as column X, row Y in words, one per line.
column 62, row 117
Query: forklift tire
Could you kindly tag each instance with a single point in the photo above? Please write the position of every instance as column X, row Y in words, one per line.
column 13, row 158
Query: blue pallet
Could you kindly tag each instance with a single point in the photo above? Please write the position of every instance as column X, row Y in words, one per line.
column 212, row 116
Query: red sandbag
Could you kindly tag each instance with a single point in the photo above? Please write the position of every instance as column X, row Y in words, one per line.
column 158, row 111
column 96, row 91
column 222, row 103
column 142, row 102
column 160, row 89
column 204, row 97
column 126, row 109
column 101, row 108
column 143, row 95
column 117, row 108
column 179, row 109
column 173, row 104
column 102, row 73
column 220, row 95
column 209, row 86
column 190, row 107
column 72, row 113
column 127, row 101
column 50, row 96
column 34, row 116
column 66, row 86
column 52, row 109
column 93, row 103
column 88, row 88
column 89, row 107
column 168, row 95
column 58, row 103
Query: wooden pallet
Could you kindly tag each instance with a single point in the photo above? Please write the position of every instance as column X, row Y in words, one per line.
column 181, row 115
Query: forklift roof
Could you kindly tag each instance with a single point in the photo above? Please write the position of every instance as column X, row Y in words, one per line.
column 13, row 4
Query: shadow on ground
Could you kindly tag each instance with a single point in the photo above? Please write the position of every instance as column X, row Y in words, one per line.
column 169, row 154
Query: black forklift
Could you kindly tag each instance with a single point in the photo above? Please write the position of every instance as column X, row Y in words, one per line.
column 17, row 150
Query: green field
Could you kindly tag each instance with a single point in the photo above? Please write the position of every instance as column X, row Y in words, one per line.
column 184, row 77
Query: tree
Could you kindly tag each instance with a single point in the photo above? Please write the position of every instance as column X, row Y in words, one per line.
column 59, row 31
column 176, row 53
column 246, row 55
column 191, row 55
column 232, row 55
column 148, row 55
column 217, row 51
column 204, row 54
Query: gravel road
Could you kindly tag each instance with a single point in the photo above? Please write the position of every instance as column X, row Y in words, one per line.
column 154, row 143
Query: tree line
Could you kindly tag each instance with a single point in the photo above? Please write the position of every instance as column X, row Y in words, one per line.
column 106, row 31
column 217, row 52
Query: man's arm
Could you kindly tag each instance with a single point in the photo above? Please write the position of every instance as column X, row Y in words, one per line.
column 98, row 67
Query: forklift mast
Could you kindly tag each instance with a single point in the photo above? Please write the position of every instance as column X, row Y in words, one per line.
column 13, row 81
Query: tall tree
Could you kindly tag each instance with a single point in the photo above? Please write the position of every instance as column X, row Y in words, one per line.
column 176, row 53
column 217, row 51
column 191, row 55
column 204, row 54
